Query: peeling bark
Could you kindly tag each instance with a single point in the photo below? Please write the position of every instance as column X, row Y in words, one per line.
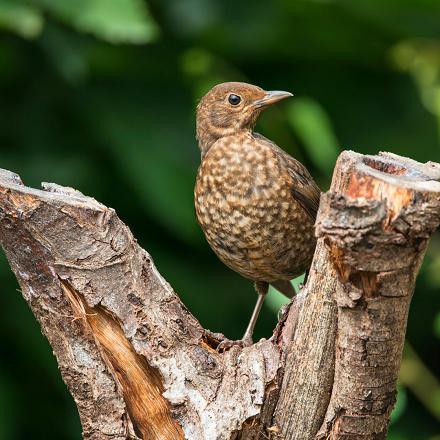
column 140, row 366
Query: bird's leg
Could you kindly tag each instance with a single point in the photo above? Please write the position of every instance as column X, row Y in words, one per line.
column 306, row 277
column 261, row 287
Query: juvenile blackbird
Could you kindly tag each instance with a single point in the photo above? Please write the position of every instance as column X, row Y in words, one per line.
column 256, row 204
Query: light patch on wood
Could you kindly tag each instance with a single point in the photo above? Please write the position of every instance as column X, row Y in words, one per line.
column 372, row 188
column 141, row 384
column 23, row 202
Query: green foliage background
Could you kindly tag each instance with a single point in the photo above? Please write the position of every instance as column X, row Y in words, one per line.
column 100, row 95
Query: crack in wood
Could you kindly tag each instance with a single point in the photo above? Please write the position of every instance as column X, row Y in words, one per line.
column 141, row 384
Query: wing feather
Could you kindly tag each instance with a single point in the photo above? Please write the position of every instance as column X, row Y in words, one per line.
column 303, row 188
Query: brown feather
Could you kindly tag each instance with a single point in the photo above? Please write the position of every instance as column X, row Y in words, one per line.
column 303, row 188
column 256, row 204
column 285, row 287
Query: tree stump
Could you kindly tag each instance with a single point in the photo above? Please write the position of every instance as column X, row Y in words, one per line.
column 140, row 366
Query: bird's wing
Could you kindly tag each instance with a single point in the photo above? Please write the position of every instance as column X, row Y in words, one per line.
column 304, row 189
column 302, row 186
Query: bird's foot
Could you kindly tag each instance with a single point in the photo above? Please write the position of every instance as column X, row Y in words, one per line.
column 221, row 343
column 272, row 339
column 227, row 344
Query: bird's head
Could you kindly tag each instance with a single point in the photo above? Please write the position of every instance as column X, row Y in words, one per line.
column 230, row 108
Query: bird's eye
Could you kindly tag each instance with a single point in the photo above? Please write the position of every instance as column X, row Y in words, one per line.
column 234, row 99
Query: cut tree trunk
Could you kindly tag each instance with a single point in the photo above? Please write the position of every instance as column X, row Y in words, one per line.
column 140, row 366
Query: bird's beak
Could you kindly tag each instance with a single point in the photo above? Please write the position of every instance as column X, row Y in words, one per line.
column 272, row 97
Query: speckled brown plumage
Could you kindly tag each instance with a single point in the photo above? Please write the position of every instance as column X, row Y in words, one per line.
column 255, row 203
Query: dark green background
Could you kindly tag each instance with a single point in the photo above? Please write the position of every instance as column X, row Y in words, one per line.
column 100, row 95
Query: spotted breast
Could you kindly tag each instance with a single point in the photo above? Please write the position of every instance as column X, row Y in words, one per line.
column 246, row 206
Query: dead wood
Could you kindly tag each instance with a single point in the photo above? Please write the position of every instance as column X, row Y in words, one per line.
column 140, row 366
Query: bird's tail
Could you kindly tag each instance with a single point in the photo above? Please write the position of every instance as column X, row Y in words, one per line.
column 285, row 287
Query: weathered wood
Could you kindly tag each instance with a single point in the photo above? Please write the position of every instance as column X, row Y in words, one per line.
column 308, row 378
column 377, row 227
column 373, row 228
column 139, row 365
column 121, row 336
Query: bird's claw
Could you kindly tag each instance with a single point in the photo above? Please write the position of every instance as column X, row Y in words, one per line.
column 227, row 344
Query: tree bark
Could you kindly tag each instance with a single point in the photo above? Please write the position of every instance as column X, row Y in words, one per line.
column 140, row 366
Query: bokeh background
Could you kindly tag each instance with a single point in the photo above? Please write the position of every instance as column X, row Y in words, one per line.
column 100, row 95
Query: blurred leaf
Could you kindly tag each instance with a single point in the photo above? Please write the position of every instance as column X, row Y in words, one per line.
column 189, row 17
column 312, row 125
column 399, row 16
column 197, row 61
column 275, row 300
column 26, row 20
column 66, row 51
column 437, row 325
column 205, row 69
column 8, row 408
column 147, row 153
column 433, row 270
column 397, row 436
column 166, row 189
column 420, row 380
column 401, row 404
column 421, row 58
column 116, row 21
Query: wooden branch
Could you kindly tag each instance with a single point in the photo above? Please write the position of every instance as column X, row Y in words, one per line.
column 121, row 336
column 393, row 207
column 140, row 366
column 373, row 228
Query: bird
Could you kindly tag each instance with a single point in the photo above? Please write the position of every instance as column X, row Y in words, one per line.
column 255, row 203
